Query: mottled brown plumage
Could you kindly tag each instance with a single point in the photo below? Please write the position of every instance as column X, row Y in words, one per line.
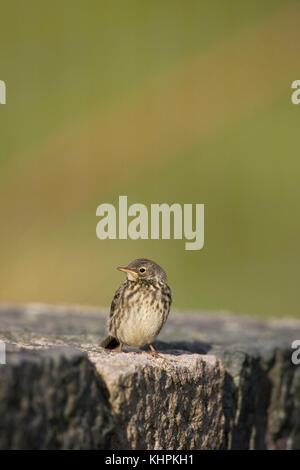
column 140, row 306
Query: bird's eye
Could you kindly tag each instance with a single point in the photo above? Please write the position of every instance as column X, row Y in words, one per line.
column 142, row 270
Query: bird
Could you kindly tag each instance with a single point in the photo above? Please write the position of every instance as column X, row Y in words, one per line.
column 140, row 306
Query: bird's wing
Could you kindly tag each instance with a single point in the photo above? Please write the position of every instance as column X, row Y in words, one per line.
column 116, row 299
column 110, row 343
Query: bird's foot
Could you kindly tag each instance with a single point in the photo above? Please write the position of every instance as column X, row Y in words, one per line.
column 153, row 353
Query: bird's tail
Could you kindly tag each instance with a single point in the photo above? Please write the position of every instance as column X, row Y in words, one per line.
column 110, row 342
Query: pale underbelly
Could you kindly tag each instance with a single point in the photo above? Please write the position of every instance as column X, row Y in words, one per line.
column 140, row 328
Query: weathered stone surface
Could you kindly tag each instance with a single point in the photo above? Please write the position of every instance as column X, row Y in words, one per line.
column 174, row 402
column 52, row 399
column 226, row 382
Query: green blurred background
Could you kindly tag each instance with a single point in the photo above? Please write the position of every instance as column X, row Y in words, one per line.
column 163, row 101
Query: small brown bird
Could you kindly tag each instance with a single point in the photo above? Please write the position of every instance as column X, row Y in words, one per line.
column 140, row 306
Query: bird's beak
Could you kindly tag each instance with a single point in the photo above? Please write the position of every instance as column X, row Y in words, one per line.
column 127, row 270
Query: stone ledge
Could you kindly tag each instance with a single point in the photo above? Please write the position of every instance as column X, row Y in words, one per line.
column 226, row 382
column 52, row 399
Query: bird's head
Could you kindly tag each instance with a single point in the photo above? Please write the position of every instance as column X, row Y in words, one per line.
column 143, row 268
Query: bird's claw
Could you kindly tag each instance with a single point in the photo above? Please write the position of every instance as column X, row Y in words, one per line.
column 152, row 353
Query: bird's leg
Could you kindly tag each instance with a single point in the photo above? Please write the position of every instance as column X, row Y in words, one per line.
column 153, row 352
column 119, row 348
